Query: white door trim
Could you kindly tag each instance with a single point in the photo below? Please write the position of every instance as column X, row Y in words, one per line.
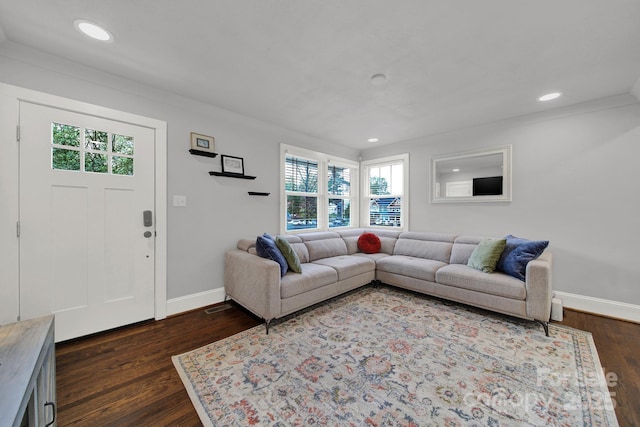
column 160, row 130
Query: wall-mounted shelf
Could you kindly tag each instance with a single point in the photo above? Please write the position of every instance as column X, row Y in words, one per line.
column 258, row 193
column 232, row 175
column 202, row 153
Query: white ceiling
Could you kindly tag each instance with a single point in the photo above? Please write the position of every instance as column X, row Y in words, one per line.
column 306, row 65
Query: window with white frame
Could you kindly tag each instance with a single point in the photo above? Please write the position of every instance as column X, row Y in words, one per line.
column 320, row 192
column 385, row 189
column 339, row 193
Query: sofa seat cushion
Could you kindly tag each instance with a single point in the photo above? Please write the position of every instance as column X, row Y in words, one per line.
column 313, row 276
column 418, row 268
column 348, row 266
column 462, row 276
column 374, row 257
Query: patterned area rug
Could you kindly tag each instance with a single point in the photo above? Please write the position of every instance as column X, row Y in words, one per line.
column 382, row 356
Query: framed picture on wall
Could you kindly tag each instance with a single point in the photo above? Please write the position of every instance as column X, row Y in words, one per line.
column 203, row 143
column 232, row 164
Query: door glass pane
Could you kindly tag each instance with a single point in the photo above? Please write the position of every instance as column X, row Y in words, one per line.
column 95, row 162
column 96, row 140
column 65, row 135
column 122, row 165
column 122, row 144
column 302, row 212
column 339, row 213
column 65, row 159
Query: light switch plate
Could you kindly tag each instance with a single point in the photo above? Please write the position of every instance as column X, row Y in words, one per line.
column 180, row 201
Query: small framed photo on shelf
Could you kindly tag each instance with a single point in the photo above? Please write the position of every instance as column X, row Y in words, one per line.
column 203, row 143
column 231, row 164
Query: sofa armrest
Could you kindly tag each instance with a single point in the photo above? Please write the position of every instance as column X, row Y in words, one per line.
column 253, row 282
column 539, row 287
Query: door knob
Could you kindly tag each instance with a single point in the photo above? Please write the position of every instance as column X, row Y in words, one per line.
column 147, row 234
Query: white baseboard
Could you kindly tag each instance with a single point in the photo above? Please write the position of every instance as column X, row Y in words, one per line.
column 604, row 307
column 194, row 301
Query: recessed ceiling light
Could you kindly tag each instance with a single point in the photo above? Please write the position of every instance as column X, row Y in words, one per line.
column 455, row 170
column 92, row 30
column 378, row 79
column 373, row 140
column 550, row 96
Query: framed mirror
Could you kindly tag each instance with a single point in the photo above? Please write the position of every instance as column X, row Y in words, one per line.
column 473, row 176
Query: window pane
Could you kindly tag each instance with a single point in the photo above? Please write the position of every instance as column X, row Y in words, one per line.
column 95, row 162
column 122, row 144
column 397, row 178
column 387, row 179
column 339, row 181
column 122, row 165
column 302, row 212
column 95, row 140
column 65, row 135
column 339, row 213
column 385, row 212
column 65, row 159
column 301, row 175
column 378, row 185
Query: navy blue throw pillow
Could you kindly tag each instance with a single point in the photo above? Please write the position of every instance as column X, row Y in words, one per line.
column 266, row 248
column 269, row 236
column 517, row 254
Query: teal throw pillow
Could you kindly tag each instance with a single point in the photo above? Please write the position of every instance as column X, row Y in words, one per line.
column 289, row 254
column 486, row 255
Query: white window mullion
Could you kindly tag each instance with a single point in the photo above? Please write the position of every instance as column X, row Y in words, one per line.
column 322, row 196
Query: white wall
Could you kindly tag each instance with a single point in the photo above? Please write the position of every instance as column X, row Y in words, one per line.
column 575, row 183
column 219, row 211
column 574, row 180
column 8, row 210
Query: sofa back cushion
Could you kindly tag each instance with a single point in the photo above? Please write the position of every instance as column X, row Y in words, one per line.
column 323, row 244
column 434, row 246
column 302, row 251
column 388, row 239
column 246, row 244
column 298, row 246
column 463, row 247
column 319, row 249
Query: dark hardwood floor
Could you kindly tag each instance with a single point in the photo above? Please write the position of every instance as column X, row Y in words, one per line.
column 618, row 345
column 125, row 377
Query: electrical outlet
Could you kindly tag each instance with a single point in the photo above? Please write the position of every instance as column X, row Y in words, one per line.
column 180, row 201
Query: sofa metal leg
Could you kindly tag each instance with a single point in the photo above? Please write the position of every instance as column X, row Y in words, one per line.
column 545, row 325
column 266, row 324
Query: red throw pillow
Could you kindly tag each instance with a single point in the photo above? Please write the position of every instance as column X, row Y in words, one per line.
column 369, row 243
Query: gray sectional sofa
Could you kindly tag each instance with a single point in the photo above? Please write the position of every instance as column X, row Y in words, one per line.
column 429, row 263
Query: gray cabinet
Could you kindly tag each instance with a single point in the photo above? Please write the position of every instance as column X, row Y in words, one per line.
column 28, row 373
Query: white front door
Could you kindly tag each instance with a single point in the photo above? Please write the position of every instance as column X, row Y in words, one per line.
column 86, row 254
